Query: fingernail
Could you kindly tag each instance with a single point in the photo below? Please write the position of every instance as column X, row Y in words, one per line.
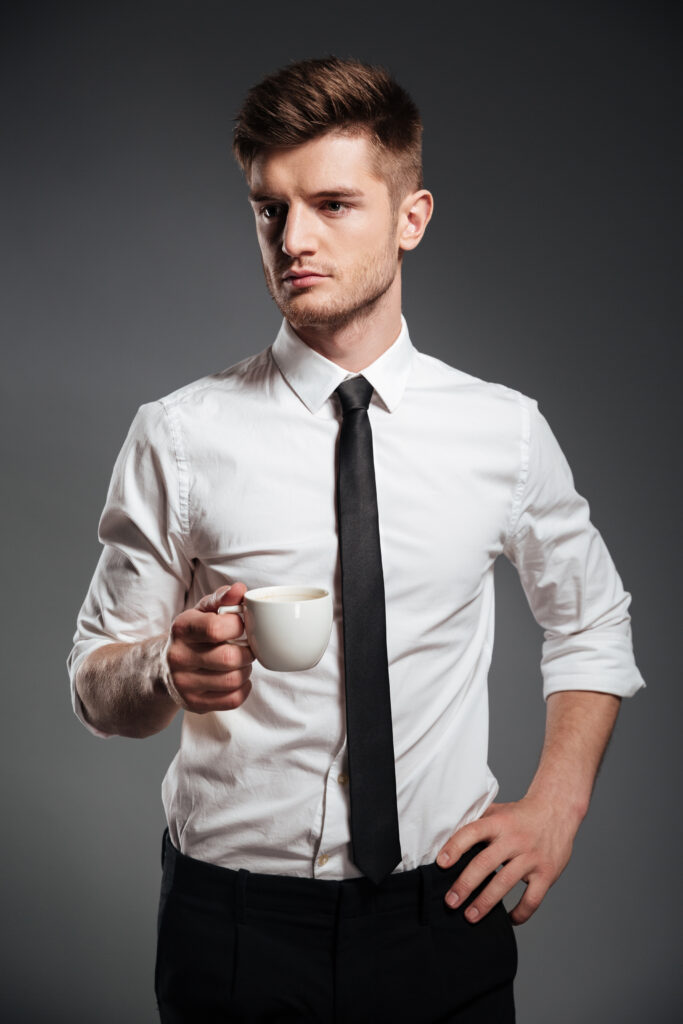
column 443, row 859
column 472, row 913
column 452, row 899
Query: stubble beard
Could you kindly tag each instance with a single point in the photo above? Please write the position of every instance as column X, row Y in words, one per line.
column 362, row 294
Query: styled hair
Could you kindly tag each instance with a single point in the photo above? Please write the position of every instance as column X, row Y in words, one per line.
column 311, row 98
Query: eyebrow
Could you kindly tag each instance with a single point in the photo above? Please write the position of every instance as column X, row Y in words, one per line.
column 339, row 192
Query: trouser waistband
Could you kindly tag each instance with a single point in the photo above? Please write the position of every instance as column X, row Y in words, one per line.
column 351, row 896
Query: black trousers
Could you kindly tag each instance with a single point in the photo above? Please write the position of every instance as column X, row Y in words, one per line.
column 240, row 947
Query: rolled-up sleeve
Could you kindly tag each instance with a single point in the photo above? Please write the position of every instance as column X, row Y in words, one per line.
column 568, row 576
column 144, row 573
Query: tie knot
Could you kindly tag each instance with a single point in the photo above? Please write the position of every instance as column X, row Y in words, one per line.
column 355, row 393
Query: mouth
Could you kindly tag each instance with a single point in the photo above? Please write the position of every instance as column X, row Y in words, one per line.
column 303, row 278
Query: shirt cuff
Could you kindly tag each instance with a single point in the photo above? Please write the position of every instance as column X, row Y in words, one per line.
column 590, row 661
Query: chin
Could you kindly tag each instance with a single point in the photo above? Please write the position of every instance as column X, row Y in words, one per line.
column 329, row 320
column 312, row 314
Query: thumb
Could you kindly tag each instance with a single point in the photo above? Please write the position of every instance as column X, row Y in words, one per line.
column 232, row 594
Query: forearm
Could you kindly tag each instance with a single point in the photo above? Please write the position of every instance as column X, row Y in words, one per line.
column 531, row 839
column 579, row 724
column 122, row 688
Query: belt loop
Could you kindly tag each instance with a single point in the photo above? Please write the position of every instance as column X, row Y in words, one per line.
column 425, row 894
column 241, row 895
column 163, row 847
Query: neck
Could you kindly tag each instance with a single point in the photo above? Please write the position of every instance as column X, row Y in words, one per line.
column 357, row 344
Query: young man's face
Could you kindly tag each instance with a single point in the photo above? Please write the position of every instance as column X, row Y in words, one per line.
column 326, row 228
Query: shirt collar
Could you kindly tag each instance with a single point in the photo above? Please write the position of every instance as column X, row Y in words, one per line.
column 314, row 378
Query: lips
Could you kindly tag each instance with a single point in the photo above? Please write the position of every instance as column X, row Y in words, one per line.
column 303, row 278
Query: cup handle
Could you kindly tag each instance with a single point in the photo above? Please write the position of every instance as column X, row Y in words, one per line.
column 238, row 609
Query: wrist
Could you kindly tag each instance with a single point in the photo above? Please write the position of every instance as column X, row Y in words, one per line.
column 573, row 803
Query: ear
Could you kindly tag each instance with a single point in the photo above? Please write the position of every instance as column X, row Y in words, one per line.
column 413, row 217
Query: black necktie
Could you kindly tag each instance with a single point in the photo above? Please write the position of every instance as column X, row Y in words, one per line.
column 372, row 777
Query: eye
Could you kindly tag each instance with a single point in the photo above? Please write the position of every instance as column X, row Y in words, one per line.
column 335, row 206
column 271, row 211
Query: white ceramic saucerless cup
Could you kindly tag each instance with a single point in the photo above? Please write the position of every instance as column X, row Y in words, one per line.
column 288, row 628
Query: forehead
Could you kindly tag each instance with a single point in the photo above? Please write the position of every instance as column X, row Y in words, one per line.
column 329, row 162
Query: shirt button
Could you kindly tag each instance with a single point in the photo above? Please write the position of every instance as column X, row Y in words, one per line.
column 322, row 860
column 342, row 779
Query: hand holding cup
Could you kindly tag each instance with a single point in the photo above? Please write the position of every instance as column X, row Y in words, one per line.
column 209, row 672
column 212, row 646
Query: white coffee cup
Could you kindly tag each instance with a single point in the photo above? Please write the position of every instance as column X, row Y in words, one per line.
column 288, row 628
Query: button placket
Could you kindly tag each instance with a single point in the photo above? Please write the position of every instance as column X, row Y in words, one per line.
column 334, row 813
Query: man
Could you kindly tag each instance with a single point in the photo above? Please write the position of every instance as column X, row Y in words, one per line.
column 288, row 894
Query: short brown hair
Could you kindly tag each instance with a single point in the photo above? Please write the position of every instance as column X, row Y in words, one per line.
column 313, row 97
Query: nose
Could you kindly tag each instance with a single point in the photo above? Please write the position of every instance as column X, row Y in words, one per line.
column 298, row 234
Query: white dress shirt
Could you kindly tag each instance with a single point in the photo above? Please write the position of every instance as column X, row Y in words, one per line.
column 233, row 478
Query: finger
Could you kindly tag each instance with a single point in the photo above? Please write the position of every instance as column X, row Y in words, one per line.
column 203, row 703
column 217, row 682
column 463, row 840
column 196, row 627
column 193, row 686
column 209, row 657
column 530, row 901
column 231, row 594
column 500, row 885
column 474, row 874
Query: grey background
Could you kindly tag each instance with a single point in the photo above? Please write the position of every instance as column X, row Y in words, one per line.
column 553, row 147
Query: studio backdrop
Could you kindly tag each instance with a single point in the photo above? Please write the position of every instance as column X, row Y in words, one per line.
column 130, row 267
